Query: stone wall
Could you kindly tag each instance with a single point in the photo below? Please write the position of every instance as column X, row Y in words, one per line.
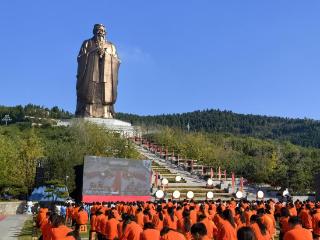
column 12, row 208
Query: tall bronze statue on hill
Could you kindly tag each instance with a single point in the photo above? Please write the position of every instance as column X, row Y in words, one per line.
column 97, row 76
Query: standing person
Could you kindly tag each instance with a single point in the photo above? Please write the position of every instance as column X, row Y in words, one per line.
column 60, row 231
column 111, row 226
column 284, row 222
column 305, row 216
column 227, row 229
column 297, row 232
column 81, row 218
column 149, row 232
column 130, row 229
column 199, row 232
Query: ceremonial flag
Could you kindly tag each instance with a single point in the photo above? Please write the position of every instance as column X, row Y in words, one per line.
column 211, row 173
column 233, row 181
column 156, row 179
column 219, row 173
column 241, row 183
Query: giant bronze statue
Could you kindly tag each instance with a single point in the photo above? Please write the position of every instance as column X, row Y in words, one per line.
column 97, row 76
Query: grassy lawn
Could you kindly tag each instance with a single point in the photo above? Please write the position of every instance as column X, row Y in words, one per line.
column 26, row 232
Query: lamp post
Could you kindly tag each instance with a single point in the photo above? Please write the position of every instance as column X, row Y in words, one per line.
column 6, row 119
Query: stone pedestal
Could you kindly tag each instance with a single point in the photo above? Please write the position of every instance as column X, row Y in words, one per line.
column 122, row 127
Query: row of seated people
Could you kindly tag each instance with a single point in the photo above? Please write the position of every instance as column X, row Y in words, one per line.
column 190, row 220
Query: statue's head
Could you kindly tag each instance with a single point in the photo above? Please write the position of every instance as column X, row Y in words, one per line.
column 99, row 31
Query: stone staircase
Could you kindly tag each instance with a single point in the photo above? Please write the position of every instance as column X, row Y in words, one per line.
column 189, row 182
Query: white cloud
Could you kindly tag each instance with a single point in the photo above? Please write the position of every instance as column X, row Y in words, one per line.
column 134, row 55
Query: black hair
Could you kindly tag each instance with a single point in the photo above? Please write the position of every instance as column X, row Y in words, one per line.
column 245, row 233
column 198, row 229
column 227, row 215
column 186, row 220
column 148, row 225
column 284, row 212
column 159, row 211
column 241, row 214
column 256, row 219
column 171, row 213
column 58, row 221
column 294, row 220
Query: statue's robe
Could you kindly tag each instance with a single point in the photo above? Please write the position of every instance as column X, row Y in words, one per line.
column 97, row 80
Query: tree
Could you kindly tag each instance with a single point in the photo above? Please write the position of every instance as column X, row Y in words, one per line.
column 30, row 152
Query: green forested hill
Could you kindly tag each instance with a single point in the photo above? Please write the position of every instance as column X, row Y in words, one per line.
column 304, row 132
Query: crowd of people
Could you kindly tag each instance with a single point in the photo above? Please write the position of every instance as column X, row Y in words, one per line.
column 185, row 220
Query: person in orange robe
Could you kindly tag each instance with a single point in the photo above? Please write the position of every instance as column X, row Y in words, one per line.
column 149, row 232
column 212, row 229
column 239, row 218
column 199, row 232
column 147, row 217
column 111, row 226
column 74, row 214
column 170, row 220
column 178, row 212
column 227, row 230
column 305, row 216
column 297, row 232
column 184, row 224
column 139, row 217
column 260, row 230
column 42, row 216
column 158, row 219
column 284, row 222
column 82, row 217
column 98, row 224
column 193, row 214
column 46, row 228
column 59, row 230
column 316, row 222
column 130, row 229
column 267, row 221
column 93, row 226
column 170, row 234
column 69, row 213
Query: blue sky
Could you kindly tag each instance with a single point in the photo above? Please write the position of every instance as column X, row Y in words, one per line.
column 259, row 57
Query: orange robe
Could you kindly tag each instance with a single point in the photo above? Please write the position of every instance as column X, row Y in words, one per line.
column 157, row 222
column 150, row 234
column 111, row 228
column 168, row 222
column 173, row 235
column 60, row 232
column 298, row 233
column 226, row 231
column 82, row 218
column 132, row 232
column 212, row 229
column 258, row 234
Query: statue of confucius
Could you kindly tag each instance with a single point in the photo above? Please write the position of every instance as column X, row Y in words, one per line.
column 97, row 77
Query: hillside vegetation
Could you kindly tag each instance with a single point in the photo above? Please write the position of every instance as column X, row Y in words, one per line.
column 260, row 161
column 304, row 132
column 59, row 150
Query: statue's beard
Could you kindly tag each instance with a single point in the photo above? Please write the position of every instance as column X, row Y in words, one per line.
column 100, row 38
